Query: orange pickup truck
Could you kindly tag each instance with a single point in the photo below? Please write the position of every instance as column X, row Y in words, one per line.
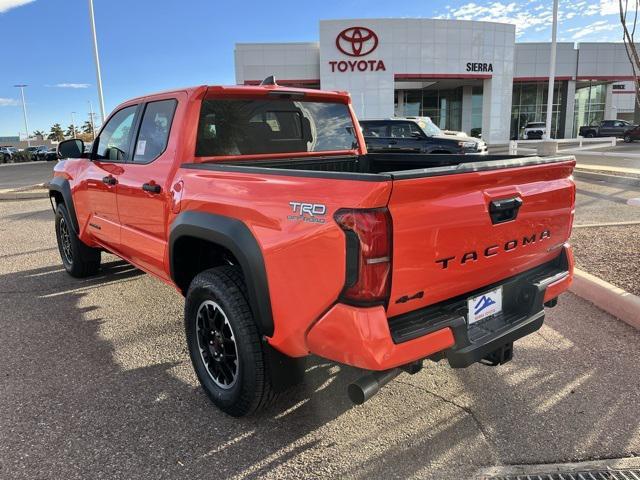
column 263, row 208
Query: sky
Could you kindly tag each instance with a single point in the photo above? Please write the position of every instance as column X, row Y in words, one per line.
column 152, row 45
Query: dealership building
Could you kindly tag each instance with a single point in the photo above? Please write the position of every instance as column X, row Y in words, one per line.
column 465, row 75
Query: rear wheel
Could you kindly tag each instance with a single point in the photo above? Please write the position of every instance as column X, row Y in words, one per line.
column 590, row 135
column 6, row 158
column 78, row 259
column 224, row 343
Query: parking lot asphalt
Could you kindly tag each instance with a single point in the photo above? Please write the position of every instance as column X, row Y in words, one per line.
column 96, row 383
column 603, row 202
column 16, row 175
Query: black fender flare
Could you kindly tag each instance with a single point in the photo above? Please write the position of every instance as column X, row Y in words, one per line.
column 236, row 237
column 61, row 185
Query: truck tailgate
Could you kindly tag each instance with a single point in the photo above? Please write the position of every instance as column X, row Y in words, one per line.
column 453, row 234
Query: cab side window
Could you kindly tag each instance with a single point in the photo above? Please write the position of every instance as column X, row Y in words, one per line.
column 401, row 130
column 115, row 139
column 154, row 130
column 375, row 130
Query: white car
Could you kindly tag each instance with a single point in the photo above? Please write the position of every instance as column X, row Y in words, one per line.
column 533, row 131
column 5, row 154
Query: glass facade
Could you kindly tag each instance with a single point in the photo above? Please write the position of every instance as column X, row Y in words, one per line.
column 443, row 106
column 589, row 104
column 529, row 104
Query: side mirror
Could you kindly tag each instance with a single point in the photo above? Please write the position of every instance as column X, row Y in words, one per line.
column 73, row 148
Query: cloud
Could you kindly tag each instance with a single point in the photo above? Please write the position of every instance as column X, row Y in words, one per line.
column 522, row 15
column 537, row 15
column 6, row 5
column 70, row 85
column 585, row 30
column 8, row 102
column 610, row 7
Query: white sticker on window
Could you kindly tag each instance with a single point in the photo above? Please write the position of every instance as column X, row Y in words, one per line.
column 141, row 147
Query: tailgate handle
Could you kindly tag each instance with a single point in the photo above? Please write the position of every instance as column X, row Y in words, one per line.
column 504, row 210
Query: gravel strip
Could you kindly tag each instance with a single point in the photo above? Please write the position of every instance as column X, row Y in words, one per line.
column 610, row 253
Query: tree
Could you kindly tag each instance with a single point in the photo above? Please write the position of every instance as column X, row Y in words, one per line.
column 56, row 134
column 38, row 133
column 87, row 128
column 72, row 131
column 628, row 36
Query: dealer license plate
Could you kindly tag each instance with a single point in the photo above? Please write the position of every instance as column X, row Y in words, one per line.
column 484, row 305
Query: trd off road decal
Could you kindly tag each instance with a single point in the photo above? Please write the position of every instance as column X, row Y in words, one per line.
column 307, row 212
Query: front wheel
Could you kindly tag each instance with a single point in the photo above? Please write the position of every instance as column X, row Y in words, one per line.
column 590, row 135
column 6, row 158
column 224, row 343
column 628, row 139
column 78, row 259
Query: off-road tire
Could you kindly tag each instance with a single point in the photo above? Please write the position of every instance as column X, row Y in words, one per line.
column 252, row 388
column 78, row 259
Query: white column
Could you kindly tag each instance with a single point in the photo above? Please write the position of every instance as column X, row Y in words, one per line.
column 467, row 108
column 609, row 112
column 497, row 93
column 570, row 114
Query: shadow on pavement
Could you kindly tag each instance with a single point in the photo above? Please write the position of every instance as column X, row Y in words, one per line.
column 77, row 403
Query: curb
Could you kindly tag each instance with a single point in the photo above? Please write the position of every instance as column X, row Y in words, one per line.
column 619, row 303
column 605, row 177
column 23, row 195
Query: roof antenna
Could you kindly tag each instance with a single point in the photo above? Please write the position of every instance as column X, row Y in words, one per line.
column 270, row 80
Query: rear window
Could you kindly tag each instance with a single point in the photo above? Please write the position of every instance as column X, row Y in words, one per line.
column 249, row 127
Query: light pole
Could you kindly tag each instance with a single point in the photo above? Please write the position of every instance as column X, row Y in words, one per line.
column 73, row 124
column 24, row 111
column 93, row 125
column 552, row 70
column 97, row 59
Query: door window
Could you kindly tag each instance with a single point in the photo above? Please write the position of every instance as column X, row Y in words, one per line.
column 374, row 130
column 154, row 130
column 115, row 139
column 403, row 130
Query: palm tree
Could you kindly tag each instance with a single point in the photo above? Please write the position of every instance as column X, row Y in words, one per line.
column 38, row 133
column 56, row 134
column 87, row 128
column 72, row 131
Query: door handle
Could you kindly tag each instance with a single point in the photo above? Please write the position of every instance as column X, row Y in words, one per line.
column 109, row 180
column 151, row 188
column 393, row 142
column 504, row 210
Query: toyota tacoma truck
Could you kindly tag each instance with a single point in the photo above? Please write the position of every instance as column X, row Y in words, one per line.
column 261, row 205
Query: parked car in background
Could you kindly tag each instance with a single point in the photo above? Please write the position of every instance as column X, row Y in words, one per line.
column 533, row 131
column 417, row 136
column 607, row 128
column 632, row 135
column 5, row 155
column 50, row 155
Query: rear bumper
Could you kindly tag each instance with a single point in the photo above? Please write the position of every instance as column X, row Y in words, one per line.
column 366, row 338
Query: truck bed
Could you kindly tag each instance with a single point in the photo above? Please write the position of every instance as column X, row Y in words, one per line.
column 379, row 166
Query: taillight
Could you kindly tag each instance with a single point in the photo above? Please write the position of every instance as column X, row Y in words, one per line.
column 368, row 242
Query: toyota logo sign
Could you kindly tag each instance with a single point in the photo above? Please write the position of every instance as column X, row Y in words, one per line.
column 357, row 41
